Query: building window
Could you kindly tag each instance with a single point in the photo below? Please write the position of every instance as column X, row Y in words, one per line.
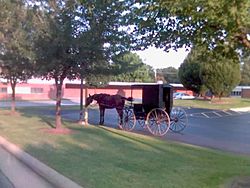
column 36, row 90
column 3, row 90
column 236, row 93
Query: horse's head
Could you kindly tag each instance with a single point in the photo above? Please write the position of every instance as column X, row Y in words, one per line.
column 89, row 100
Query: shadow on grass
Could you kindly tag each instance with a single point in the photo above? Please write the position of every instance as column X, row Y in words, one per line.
column 48, row 121
column 47, row 114
column 99, row 157
column 102, row 157
column 134, row 138
column 93, row 120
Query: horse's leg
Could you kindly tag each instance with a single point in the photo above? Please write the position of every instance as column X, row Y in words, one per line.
column 120, row 113
column 102, row 110
column 101, row 114
column 102, row 122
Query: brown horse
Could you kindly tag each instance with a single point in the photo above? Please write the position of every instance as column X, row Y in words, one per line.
column 109, row 102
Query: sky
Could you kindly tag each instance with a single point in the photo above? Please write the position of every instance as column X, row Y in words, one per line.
column 158, row 59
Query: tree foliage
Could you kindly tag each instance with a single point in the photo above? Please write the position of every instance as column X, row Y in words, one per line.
column 169, row 75
column 245, row 72
column 219, row 73
column 103, row 35
column 16, row 43
column 88, row 32
column 78, row 38
column 55, row 45
column 189, row 72
column 129, row 67
column 210, row 69
column 177, row 23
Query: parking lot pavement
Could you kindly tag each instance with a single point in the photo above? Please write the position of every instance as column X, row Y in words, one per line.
column 215, row 113
column 39, row 103
column 224, row 130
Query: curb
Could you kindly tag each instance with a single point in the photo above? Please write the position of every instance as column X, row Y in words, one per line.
column 244, row 109
column 41, row 169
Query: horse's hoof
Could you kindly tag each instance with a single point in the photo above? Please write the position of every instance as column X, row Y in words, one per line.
column 120, row 127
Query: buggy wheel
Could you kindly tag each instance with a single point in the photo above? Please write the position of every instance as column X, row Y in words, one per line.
column 178, row 119
column 129, row 120
column 158, row 122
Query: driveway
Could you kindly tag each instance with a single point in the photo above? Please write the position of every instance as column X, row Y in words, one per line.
column 224, row 130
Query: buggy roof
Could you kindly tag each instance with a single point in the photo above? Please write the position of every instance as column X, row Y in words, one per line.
column 149, row 84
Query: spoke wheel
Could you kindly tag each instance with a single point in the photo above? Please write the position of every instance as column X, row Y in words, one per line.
column 158, row 122
column 178, row 119
column 129, row 120
column 141, row 123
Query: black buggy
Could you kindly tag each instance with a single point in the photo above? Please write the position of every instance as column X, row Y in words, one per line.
column 155, row 111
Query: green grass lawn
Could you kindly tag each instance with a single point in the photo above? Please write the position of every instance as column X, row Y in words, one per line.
column 101, row 157
column 224, row 103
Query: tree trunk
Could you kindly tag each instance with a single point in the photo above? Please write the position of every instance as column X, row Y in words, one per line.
column 13, row 96
column 86, row 110
column 58, row 103
column 81, row 102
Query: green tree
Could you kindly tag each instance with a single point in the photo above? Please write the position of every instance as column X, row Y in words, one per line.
column 189, row 72
column 78, row 39
column 177, row 23
column 16, row 44
column 219, row 73
column 169, row 75
column 55, row 45
column 245, row 72
column 130, row 68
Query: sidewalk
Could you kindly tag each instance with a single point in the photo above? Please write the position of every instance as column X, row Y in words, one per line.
column 20, row 170
column 243, row 109
column 4, row 181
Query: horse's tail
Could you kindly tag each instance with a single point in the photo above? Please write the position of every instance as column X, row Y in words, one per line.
column 128, row 99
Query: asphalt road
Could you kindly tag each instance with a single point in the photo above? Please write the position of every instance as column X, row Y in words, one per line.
column 224, row 130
